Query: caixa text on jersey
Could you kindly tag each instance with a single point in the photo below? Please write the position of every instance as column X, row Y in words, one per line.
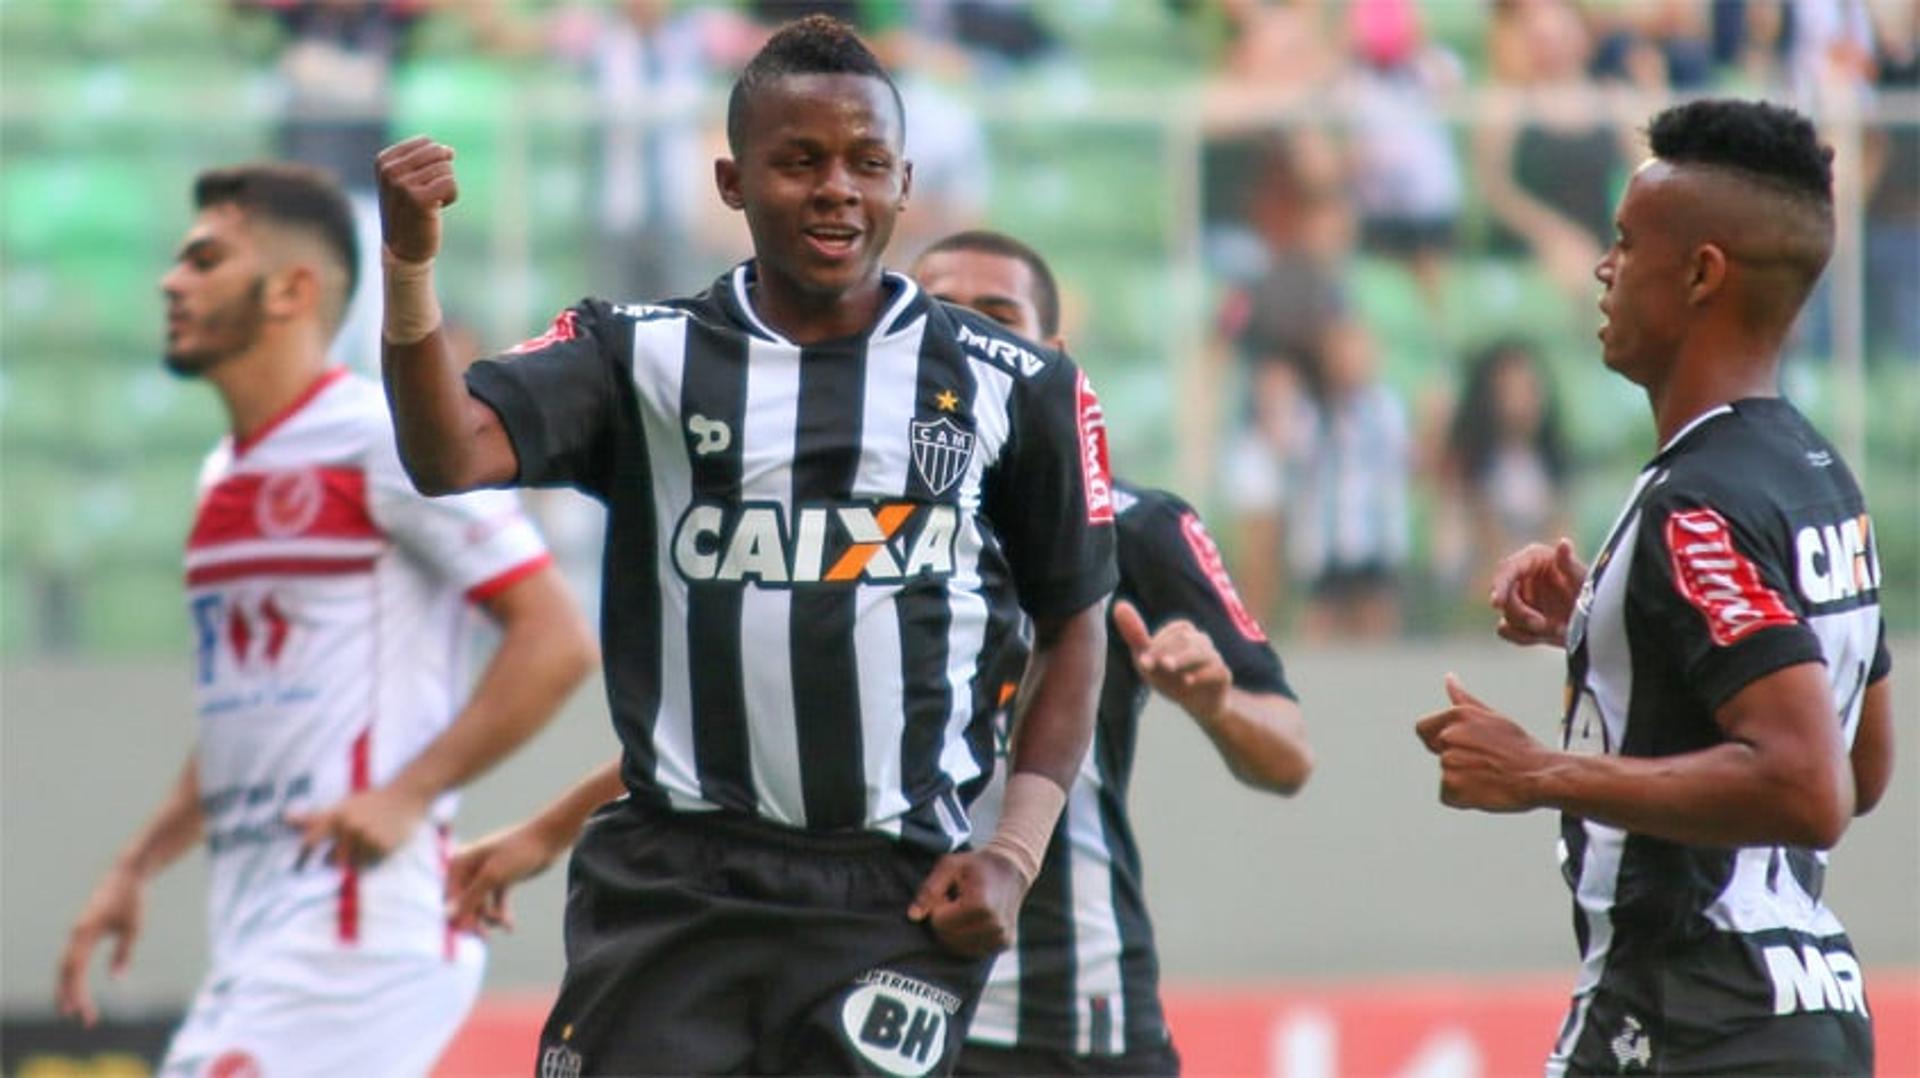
column 772, row 545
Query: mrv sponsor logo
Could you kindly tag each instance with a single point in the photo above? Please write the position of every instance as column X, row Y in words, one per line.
column 1809, row 979
column 815, row 544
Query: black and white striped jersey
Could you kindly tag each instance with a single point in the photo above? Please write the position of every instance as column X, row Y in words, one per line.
column 1083, row 976
column 813, row 550
column 1744, row 548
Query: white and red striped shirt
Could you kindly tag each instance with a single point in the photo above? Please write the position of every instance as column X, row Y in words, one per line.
column 331, row 607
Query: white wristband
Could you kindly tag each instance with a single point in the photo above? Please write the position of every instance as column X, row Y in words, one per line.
column 412, row 308
column 1028, row 812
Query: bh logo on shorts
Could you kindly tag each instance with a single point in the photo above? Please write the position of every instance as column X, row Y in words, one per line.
column 898, row 1023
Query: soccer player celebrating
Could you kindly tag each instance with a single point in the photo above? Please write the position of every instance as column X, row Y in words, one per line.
column 1080, row 993
column 1728, row 705
column 825, row 493
column 329, row 602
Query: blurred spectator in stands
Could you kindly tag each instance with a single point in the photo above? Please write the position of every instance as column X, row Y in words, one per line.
column 1547, row 155
column 1655, row 45
column 1893, row 201
column 335, row 73
column 652, row 64
column 1830, row 52
column 1749, row 37
column 1348, row 512
column 952, row 159
column 1275, row 52
column 1276, row 326
column 1501, row 473
column 1406, row 175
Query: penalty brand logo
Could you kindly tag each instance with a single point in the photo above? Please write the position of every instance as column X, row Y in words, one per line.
column 898, row 1023
column 709, row 436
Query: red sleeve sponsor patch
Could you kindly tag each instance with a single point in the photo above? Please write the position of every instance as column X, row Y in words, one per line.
column 565, row 327
column 1207, row 553
column 1093, row 452
column 1722, row 583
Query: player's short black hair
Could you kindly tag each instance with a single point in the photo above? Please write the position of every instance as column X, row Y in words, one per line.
column 1046, row 292
column 1765, row 142
column 294, row 196
column 813, row 45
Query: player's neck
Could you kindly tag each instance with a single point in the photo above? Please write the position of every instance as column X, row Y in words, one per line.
column 809, row 317
column 1709, row 374
column 259, row 386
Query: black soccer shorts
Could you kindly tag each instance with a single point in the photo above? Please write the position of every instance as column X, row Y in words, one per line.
column 709, row 943
column 1709, row 1007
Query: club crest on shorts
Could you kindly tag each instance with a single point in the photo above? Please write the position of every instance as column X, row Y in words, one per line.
column 898, row 1023
column 941, row 452
column 559, row 1061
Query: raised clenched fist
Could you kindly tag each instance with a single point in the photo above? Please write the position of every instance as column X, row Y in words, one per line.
column 416, row 182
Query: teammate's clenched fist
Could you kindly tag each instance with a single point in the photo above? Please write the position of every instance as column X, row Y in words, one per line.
column 416, row 182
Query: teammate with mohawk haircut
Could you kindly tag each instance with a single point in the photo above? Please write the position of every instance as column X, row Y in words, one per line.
column 1728, row 703
column 826, row 493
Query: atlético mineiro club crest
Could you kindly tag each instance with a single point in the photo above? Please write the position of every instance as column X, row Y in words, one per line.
column 941, row 452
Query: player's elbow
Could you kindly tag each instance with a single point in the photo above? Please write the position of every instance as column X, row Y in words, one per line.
column 571, row 653
column 1284, row 773
column 580, row 654
column 433, row 477
column 1820, row 814
column 1279, row 761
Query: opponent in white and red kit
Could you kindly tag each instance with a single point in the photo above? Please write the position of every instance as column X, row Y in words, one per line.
column 330, row 607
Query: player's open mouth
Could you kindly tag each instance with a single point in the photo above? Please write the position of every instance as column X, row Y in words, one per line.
column 832, row 242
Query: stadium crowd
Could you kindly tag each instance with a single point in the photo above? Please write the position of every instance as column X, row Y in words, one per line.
column 1370, row 295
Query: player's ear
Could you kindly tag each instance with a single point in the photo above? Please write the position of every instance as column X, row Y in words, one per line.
column 292, row 290
column 906, row 184
column 726, row 179
column 1708, row 274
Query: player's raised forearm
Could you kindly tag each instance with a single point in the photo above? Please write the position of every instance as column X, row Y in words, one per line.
column 562, row 819
column 1782, row 778
column 545, row 651
column 171, row 831
column 1263, row 740
column 448, row 441
column 1062, row 691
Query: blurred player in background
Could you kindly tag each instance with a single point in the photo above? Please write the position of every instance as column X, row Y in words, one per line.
column 1080, row 991
column 826, row 493
column 329, row 603
column 1728, row 704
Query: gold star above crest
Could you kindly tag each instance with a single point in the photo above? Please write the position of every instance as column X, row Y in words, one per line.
column 947, row 401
